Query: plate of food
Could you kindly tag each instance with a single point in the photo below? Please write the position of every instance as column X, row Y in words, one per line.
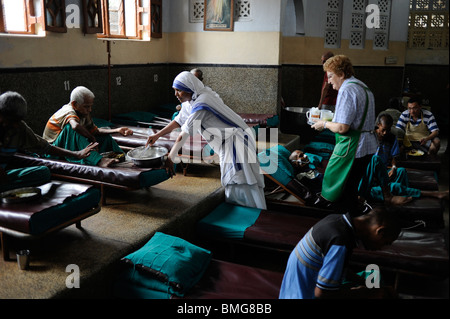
column 20, row 195
column 415, row 153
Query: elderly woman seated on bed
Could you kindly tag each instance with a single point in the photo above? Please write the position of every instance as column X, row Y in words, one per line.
column 72, row 127
column 16, row 135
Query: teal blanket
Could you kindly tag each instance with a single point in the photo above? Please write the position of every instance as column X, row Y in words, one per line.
column 228, row 221
column 275, row 162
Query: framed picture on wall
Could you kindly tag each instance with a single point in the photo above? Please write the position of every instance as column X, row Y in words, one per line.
column 218, row 15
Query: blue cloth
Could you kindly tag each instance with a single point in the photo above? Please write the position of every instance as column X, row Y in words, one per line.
column 228, row 221
column 388, row 149
column 376, row 177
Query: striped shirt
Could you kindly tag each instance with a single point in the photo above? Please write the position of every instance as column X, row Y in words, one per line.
column 319, row 259
column 61, row 118
column 350, row 104
column 428, row 119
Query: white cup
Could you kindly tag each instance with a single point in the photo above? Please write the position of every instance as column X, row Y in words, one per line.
column 313, row 115
column 326, row 115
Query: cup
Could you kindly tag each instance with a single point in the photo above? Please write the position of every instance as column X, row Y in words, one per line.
column 326, row 115
column 313, row 115
column 23, row 259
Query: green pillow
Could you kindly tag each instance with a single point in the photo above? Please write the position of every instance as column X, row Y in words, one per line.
column 101, row 122
column 177, row 264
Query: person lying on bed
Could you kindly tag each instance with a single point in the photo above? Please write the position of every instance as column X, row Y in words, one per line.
column 16, row 135
column 391, row 185
column 317, row 267
column 305, row 175
column 72, row 127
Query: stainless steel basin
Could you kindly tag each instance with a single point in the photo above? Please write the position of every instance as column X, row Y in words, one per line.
column 293, row 121
column 297, row 109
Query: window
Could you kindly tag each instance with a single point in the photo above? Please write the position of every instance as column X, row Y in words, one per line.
column 55, row 15
column 92, row 13
column 357, row 30
column 428, row 24
column 333, row 24
column 25, row 16
column 19, row 17
column 381, row 35
column 131, row 19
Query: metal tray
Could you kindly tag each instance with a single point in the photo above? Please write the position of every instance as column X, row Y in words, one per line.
column 20, row 195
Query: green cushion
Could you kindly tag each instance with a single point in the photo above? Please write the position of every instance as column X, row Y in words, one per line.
column 228, row 221
column 101, row 122
column 176, row 264
column 57, row 215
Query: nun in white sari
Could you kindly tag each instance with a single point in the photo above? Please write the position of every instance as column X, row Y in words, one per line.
column 204, row 112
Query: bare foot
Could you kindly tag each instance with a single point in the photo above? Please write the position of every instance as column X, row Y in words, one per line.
column 107, row 162
column 443, row 195
column 397, row 200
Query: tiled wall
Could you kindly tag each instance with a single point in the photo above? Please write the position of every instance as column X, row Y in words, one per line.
column 246, row 89
column 133, row 88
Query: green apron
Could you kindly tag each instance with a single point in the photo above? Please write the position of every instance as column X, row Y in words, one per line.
column 341, row 161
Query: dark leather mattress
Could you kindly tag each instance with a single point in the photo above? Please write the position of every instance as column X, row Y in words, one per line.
column 425, row 162
column 60, row 202
column 225, row 280
column 417, row 251
column 124, row 174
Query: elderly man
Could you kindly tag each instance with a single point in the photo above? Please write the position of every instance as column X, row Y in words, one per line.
column 16, row 135
column 72, row 127
column 420, row 127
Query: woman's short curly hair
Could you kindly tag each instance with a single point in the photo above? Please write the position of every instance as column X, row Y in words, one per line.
column 339, row 65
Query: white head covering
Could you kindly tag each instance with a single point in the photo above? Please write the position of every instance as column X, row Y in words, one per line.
column 203, row 96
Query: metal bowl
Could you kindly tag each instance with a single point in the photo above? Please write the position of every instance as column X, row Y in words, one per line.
column 21, row 195
column 152, row 156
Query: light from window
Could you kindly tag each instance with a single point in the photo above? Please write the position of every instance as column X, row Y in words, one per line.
column 130, row 18
column 14, row 15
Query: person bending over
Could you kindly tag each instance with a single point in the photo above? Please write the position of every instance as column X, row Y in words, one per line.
column 317, row 266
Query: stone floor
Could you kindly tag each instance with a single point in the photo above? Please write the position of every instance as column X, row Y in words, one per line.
column 128, row 220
